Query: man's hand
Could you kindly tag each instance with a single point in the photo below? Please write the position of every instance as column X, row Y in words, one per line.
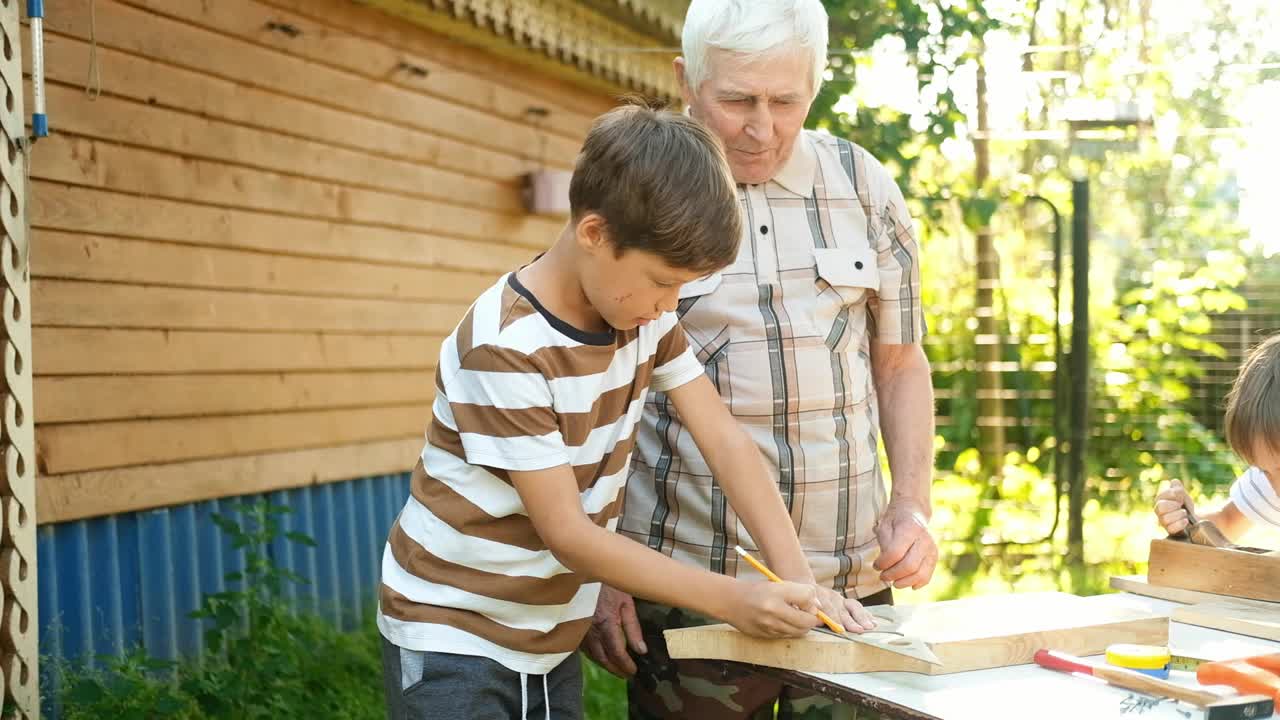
column 908, row 554
column 614, row 628
column 847, row 612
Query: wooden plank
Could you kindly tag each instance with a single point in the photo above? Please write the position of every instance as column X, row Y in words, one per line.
column 79, row 209
column 163, row 85
column 90, row 494
column 187, row 45
column 103, row 165
column 971, row 634
column 1174, row 563
column 78, row 447
column 448, row 54
column 1255, row 619
column 86, row 351
column 119, row 397
column 337, row 47
column 90, row 257
column 1138, row 585
column 73, row 303
column 124, row 121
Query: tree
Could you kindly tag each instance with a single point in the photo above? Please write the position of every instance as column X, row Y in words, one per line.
column 1166, row 241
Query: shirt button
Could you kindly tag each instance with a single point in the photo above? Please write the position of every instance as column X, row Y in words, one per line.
column 764, row 229
column 857, row 264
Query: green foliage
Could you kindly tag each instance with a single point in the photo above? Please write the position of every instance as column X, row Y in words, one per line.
column 129, row 690
column 1012, row 549
column 1166, row 250
column 263, row 660
column 604, row 696
column 938, row 37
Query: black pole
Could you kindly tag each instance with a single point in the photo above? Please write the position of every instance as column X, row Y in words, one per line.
column 1079, row 370
column 1059, row 371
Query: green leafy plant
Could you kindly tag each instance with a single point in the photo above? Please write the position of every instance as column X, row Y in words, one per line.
column 262, row 660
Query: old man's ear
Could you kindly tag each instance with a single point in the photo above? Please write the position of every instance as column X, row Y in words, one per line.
column 686, row 92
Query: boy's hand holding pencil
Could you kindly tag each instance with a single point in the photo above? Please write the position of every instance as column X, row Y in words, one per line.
column 849, row 616
column 772, row 610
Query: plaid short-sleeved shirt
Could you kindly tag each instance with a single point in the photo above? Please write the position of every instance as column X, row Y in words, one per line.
column 829, row 259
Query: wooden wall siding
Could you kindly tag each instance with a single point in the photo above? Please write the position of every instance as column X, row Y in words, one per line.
column 248, row 250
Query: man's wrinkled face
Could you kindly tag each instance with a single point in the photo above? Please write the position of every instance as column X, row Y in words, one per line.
column 757, row 106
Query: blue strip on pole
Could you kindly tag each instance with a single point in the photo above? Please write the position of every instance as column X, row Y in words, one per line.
column 35, row 8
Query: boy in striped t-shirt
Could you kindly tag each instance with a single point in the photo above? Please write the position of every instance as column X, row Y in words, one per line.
column 1253, row 430
column 491, row 572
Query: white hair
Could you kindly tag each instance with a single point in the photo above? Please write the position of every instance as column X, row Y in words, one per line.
column 753, row 28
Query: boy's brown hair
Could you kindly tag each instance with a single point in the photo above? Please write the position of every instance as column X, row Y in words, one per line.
column 661, row 183
column 1253, row 405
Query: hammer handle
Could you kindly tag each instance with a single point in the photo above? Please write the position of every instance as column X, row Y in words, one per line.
column 1155, row 686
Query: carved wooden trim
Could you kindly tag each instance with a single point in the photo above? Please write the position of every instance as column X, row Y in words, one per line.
column 18, row 644
column 662, row 19
column 620, row 44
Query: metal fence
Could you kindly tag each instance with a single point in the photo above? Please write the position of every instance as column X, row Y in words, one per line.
column 111, row 584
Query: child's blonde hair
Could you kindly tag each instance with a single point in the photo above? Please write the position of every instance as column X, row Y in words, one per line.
column 1253, row 405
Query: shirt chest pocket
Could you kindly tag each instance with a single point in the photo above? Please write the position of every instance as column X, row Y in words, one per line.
column 707, row 326
column 847, row 279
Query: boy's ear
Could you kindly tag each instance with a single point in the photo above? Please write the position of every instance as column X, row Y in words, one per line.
column 592, row 233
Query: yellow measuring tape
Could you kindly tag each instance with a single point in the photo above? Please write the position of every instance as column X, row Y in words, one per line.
column 1147, row 659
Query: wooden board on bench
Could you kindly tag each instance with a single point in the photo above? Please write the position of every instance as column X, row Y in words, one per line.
column 1244, row 617
column 970, row 634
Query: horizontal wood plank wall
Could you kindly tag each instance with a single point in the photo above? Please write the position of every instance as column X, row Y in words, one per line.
column 248, row 249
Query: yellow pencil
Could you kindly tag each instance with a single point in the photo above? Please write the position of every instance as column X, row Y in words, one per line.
column 835, row 626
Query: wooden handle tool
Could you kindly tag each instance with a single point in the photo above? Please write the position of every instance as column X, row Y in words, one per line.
column 1203, row 532
column 1240, row 707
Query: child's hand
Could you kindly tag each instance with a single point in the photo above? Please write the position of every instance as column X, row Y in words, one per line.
column 773, row 610
column 1171, row 508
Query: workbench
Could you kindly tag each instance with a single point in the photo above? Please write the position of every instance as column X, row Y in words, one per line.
column 1027, row 691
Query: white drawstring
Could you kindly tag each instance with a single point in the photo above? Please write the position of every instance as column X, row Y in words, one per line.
column 524, row 696
column 546, row 695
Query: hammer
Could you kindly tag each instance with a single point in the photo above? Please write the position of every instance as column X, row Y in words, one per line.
column 1216, row 707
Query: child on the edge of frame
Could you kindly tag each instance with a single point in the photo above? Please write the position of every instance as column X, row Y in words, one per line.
column 1253, row 431
column 491, row 572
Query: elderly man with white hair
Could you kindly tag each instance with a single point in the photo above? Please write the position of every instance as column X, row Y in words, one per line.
column 813, row 338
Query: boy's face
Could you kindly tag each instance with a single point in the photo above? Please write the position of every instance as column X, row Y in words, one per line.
column 628, row 290
column 1268, row 461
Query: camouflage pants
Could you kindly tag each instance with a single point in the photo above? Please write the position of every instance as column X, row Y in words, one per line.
column 663, row 688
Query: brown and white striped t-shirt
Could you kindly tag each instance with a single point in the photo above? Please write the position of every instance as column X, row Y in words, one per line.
column 464, row 570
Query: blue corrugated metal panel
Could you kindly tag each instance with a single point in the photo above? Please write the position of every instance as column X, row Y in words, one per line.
column 110, row 584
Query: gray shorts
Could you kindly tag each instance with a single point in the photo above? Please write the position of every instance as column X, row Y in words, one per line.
column 431, row 685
